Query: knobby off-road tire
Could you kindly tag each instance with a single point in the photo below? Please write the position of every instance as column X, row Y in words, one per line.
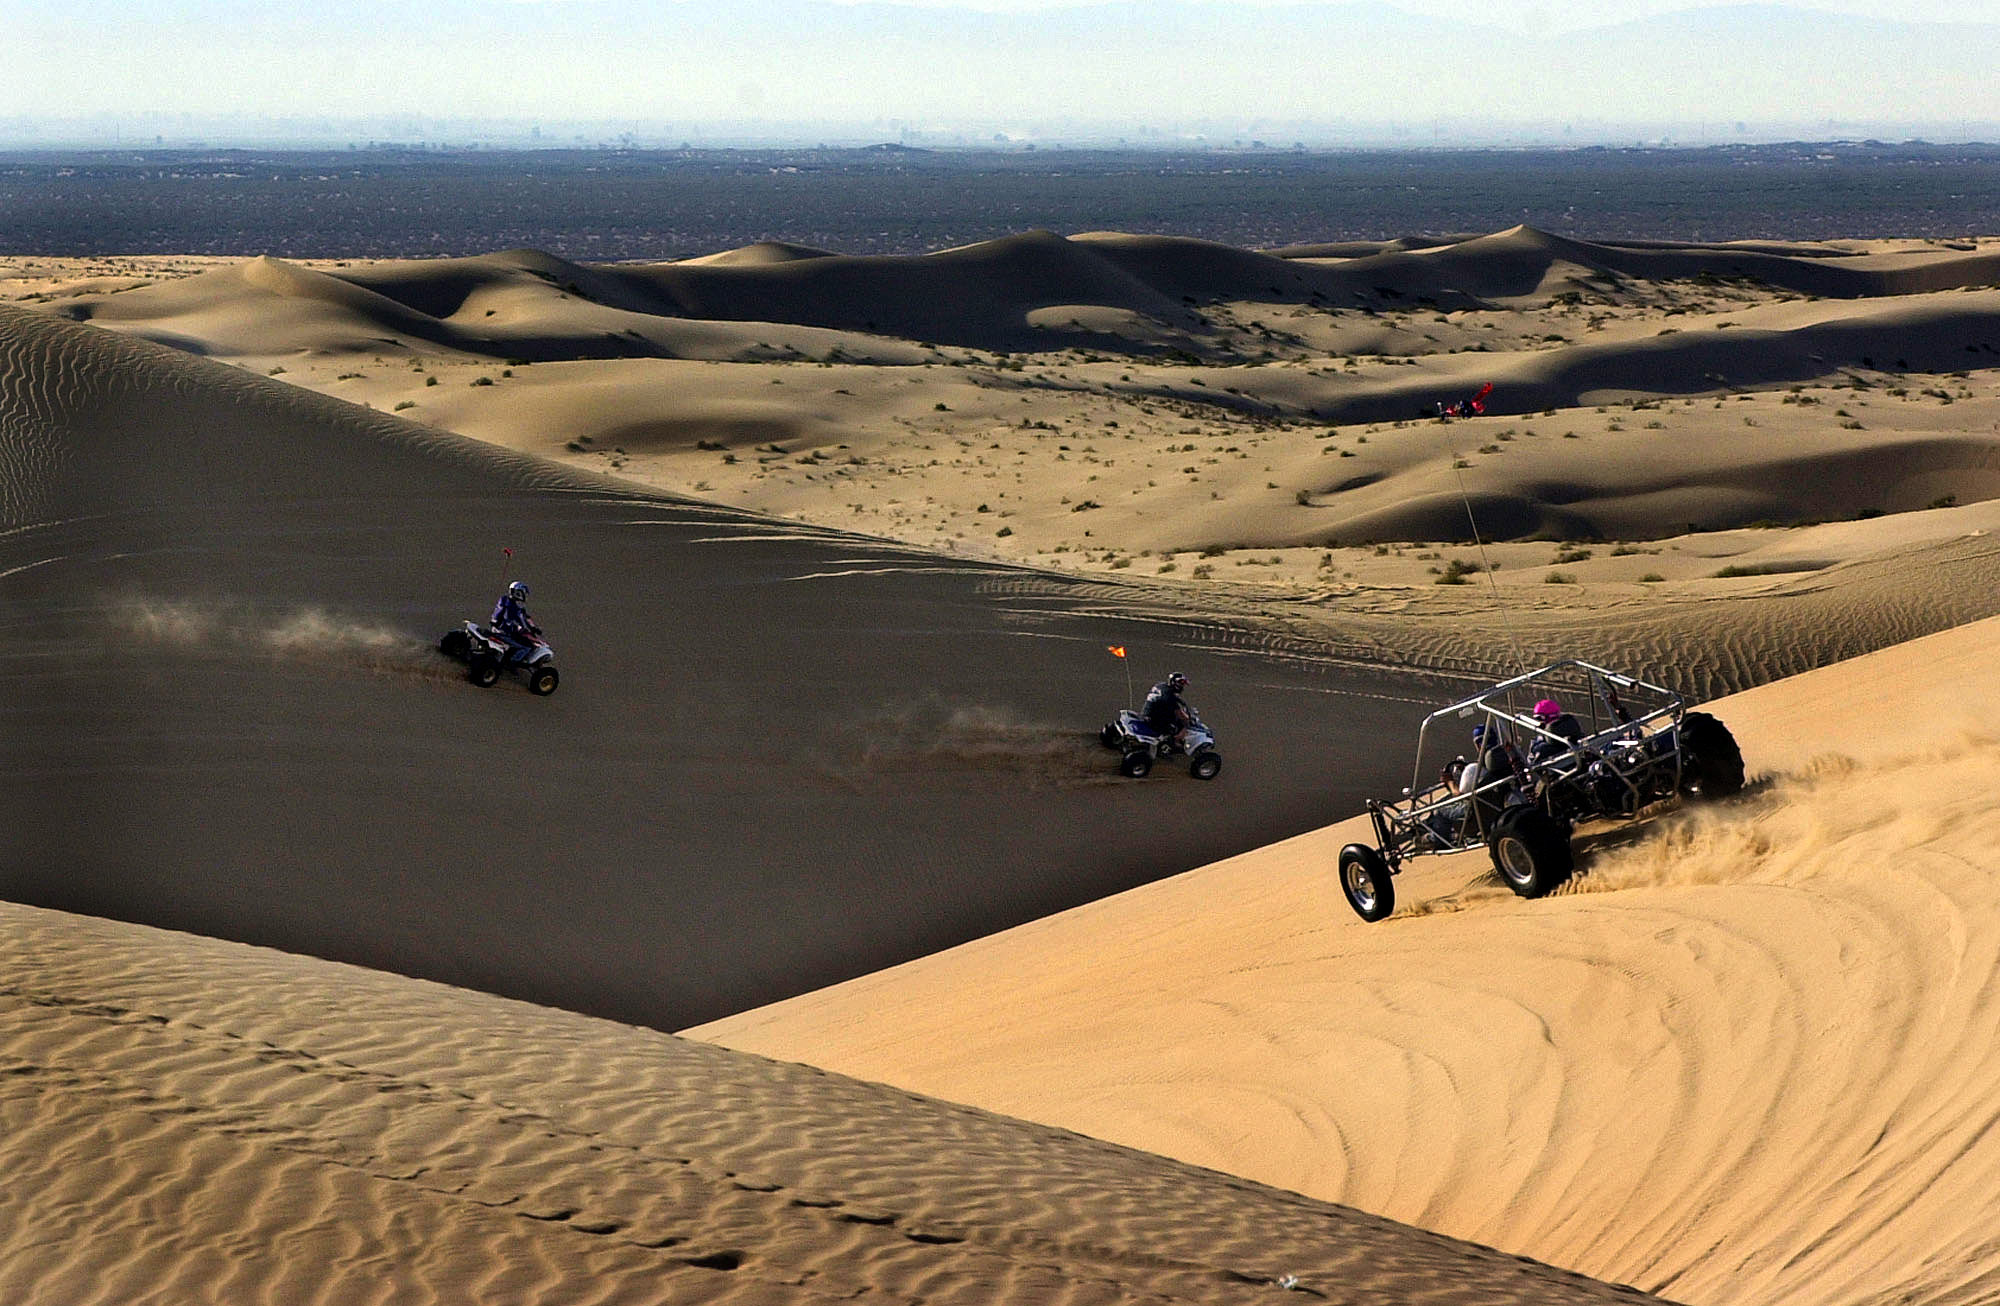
column 1364, row 879
column 1138, row 764
column 484, row 671
column 543, row 681
column 1531, row 851
column 1206, row 765
column 1711, row 763
column 455, row 644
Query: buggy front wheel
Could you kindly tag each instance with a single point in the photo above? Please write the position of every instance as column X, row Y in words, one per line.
column 1531, row 851
column 1364, row 879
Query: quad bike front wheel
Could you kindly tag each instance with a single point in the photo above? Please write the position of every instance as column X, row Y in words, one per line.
column 1138, row 764
column 1711, row 763
column 543, row 681
column 484, row 671
column 1531, row 851
column 1206, row 765
column 1364, row 879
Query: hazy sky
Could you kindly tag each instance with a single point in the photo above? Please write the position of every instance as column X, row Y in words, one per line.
column 1534, row 15
column 1291, row 69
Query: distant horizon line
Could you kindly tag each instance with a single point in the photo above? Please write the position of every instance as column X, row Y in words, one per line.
column 613, row 138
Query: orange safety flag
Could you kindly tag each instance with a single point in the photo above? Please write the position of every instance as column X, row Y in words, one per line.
column 1117, row 650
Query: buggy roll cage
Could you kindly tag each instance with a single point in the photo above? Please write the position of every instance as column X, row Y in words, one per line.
column 1623, row 727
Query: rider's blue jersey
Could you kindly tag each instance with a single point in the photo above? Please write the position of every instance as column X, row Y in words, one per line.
column 509, row 616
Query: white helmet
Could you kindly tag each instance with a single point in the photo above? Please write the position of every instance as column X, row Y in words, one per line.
column 517, row 589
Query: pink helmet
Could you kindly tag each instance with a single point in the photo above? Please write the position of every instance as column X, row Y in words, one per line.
column 1548, row 710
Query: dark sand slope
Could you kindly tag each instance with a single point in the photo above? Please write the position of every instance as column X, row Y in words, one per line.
column 183, row 1119
column 780, row 756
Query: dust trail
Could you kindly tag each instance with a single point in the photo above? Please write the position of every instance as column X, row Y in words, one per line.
column 309, row 634
column 967, row 739
column 1834, row 816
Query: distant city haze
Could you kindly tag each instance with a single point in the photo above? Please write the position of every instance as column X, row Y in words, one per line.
column 1006, row 72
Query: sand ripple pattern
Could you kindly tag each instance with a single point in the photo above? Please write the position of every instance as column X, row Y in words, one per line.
column 191, row 1120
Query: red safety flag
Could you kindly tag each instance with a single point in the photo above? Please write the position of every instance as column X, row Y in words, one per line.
column 1117, row 650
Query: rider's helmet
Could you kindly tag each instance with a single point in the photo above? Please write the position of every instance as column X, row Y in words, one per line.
column 1548, row 710
column 1177, row 681
column 517, row 590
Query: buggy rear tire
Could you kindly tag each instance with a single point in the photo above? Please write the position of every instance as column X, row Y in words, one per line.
column 1138, row 764
column 1711, row 763
column 1206, row 765
column 543, row 681
column 455, row 644
column 1531, row 851
column 1364, row 879
column 484, row 671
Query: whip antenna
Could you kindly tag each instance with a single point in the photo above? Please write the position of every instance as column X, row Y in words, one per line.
column 1492, row 581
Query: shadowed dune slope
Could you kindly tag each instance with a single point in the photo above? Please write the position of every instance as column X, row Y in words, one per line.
column 188, row 1120
column 779, row 756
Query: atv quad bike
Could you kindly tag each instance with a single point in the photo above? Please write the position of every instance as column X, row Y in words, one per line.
column 1635, row 745
column 486, row 657
column 1139, row 745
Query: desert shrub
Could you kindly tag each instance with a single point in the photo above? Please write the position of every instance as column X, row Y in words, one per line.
column 1456, row 571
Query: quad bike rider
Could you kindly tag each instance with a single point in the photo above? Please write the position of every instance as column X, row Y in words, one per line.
column 510, row 619
column 1166, row 711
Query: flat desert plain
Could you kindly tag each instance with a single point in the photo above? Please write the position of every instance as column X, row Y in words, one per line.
column 833, row 548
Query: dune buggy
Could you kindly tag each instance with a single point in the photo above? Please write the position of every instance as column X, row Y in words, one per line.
column 1617, row 747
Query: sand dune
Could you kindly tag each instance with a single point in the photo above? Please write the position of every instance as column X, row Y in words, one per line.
column 906, row 387
column 194, row 1120
column 1750, row 1055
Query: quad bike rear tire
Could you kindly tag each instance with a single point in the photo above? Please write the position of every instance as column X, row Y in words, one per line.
column 484, row 670
column 1711, row 763
column 1531, row 851
column 1364, row 879
column 1109, row 736
column 455, row 644
column 1138, row 764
